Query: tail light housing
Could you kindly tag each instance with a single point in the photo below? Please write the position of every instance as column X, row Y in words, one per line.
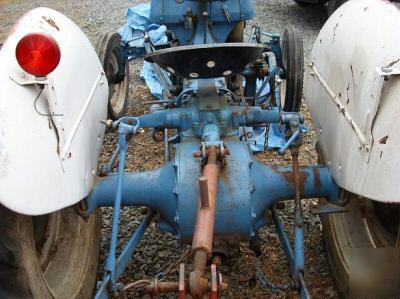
column 38, row 54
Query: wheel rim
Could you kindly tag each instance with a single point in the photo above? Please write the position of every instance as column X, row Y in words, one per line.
column 283, row 87
column 45, row 231
column 116, row 96
column 358, row 228
column 63, row 245
column 367, row 230
column 383, row 225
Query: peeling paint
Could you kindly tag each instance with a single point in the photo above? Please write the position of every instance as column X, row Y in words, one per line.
column 51, row 23
column 393, row 63
column 334, row 32
column 383, row 140
column 354, row 82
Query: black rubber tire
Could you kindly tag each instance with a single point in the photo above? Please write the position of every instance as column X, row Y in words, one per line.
column 358, row 228
column 51, row 256
column 237, row 33
column 293, row 67
column 333, row 5
column 108, row 50
column 367, row 224
column 306, row 3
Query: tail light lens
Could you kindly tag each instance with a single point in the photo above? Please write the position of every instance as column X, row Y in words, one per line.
column 38, row 54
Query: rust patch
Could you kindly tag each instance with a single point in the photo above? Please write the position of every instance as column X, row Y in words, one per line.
column 334, row 32
column 393, row 63
column 51, row 23
column 384, row 140
column 317, row 178
column 354, row 81
column 57, row 135
column 288, row 176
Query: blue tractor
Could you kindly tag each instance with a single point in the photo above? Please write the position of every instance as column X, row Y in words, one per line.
column 220, row 96
column 227, row 96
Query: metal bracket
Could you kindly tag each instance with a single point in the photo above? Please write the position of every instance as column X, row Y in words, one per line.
column 388, row 71
column 343, row 110
column 287, row 248
column 115, row 267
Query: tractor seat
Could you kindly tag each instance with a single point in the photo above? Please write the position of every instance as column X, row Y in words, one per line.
column 207, row 60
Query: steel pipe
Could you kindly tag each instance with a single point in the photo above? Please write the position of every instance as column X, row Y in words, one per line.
column 204, row 199
column 204, row 229
column 298, row 220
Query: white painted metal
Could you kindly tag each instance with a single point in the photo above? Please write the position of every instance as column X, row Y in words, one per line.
column 49, row 162
column 352, row 87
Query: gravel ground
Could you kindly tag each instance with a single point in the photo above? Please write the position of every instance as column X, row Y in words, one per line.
column 159, row 251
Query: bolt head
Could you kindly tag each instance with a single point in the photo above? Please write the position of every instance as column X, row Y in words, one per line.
column 140, row 131
column 387, row 69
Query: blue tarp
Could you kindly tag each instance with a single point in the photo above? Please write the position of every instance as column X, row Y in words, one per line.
column 137, row 23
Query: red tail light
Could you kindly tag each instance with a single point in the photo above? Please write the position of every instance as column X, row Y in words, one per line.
column 38, row 54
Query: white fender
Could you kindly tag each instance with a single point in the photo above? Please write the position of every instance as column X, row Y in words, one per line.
column 352, row 87
column 48, row 163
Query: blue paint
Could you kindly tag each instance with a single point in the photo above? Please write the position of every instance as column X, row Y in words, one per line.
column 124, row 258
column 295, row 257
column 111, row 260
column 299, row 246
column 153, row 189
column 246, row 189
column 171, row 13
column 110, row 165
column 287, row 248
column 207, row 114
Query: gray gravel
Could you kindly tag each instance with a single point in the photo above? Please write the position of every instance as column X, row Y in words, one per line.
column 158, row 250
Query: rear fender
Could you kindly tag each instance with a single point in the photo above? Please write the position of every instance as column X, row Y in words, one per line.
column 49, row 144
column 352, row 87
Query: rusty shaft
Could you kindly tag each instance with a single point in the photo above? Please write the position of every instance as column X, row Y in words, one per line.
column 146, row 287
column 162, row 287
column 204, row 200
column 204, row 229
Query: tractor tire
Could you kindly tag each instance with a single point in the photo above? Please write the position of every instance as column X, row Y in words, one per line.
column 333, row 5
column 293, row 68
column 108, row 50
column 237, row 33
column 306, row 3
column 50, row 256
column 367, row 225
